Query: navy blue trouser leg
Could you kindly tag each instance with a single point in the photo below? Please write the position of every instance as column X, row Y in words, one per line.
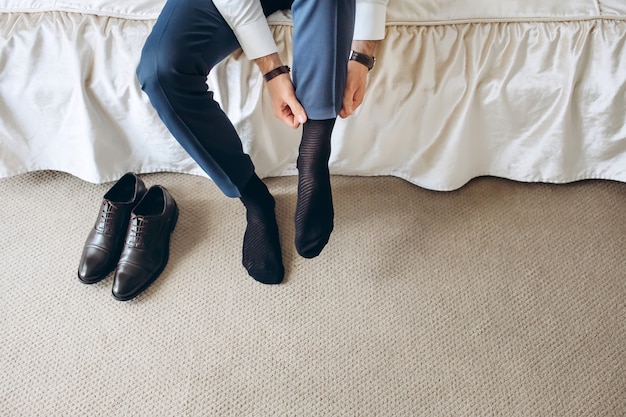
column 188, row 39
column 322, row 36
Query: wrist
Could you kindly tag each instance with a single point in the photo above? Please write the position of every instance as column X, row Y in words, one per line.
column 270, row 75
column 268, row 62
column 366, row 60
column 364, row 47
column 363, row 53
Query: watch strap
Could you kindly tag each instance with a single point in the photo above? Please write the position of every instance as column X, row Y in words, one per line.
column 364, row 59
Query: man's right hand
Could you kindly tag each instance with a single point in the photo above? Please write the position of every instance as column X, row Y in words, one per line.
column 285, row 105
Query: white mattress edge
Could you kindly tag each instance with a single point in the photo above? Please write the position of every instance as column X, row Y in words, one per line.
column 520, row 19
column 281, row 20
column 96, row 12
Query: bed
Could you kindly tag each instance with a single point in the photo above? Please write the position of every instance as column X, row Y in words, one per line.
column 529, row 90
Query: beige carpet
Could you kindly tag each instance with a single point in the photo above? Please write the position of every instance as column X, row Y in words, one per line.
column 500, row 299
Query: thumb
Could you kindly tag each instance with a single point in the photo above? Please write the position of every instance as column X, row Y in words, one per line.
column 298, row 111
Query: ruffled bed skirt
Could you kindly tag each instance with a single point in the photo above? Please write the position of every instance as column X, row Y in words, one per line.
column 537, row 100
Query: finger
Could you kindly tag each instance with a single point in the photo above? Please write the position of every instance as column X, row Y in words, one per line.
column 346, row 109
column 298, row 111
column 345, row 112
column 287, row 117
column 291, row 119
column 293, row 122
column 348, row 105
column 358, row 99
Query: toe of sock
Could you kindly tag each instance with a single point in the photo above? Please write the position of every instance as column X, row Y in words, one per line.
column 268, row 277
column 310, row 250
column 311, row 245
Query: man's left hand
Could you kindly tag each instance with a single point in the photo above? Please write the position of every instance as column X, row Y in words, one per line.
column 356, row 83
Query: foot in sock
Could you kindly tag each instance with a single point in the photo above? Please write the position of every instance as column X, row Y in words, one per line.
column 314, row 208
column 262, row 255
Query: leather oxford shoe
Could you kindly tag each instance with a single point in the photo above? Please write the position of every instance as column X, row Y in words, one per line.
column 105, row 241
column 146, row 247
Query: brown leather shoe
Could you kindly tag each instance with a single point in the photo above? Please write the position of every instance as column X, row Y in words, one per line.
column 147, row 244
column 105, row 241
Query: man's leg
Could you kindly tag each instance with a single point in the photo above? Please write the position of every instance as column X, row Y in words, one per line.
column 321, row 47
column 188, row 39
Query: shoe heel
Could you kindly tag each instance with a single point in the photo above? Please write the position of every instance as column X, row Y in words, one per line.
column 174, row 219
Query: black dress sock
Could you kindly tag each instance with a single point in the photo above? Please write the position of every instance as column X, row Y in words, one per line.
column 314, row 209
column 262, row 256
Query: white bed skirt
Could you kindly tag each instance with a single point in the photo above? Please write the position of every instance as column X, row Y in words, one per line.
column 531, row 91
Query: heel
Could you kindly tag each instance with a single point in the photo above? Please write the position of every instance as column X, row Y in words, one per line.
column 174, row 219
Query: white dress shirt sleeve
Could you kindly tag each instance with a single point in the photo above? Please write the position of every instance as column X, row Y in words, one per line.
column 369, row 24
column 246, row 19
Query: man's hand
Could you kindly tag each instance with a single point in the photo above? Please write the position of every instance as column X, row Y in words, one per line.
column 285, row 105
column 355, row 88
column 356, row 81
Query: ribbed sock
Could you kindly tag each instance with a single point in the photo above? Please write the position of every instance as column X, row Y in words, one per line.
column 314, row 208
column 262, row 256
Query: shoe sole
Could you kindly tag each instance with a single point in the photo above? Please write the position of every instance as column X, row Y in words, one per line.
column 94, row 281
column 158, row 271
column 98, row 279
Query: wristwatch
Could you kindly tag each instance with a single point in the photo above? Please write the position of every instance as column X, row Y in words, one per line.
column 366, row 60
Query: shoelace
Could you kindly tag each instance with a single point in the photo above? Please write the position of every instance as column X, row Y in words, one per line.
column 108, row 213
column 137, row 232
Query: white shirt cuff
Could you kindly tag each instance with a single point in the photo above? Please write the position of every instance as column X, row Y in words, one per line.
column 256, row 39
column 369, row 22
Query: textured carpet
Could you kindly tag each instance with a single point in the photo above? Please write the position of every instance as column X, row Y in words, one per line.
column 499, row 299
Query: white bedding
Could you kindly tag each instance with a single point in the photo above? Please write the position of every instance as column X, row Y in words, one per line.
column 529, row 90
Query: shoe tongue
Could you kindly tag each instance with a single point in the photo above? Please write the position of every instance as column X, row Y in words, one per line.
column 120, row 203
column 125, row 206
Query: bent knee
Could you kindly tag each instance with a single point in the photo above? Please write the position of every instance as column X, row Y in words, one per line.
column 170, row 70
column 155, row 69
